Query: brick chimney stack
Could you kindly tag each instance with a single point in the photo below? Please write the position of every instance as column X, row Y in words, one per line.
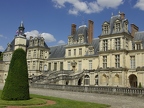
column 73, row 29
column 90, row 31
column 134, row 29
column 122, row 15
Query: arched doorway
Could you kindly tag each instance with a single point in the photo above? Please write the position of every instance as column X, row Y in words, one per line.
column 133, row 80
column 80, row 81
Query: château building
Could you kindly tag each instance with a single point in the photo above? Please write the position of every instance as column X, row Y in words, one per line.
column 115, row 58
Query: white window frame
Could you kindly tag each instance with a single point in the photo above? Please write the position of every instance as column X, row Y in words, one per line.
column 132, row 62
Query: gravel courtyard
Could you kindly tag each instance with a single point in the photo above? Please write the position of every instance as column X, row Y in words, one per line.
column 116, row 101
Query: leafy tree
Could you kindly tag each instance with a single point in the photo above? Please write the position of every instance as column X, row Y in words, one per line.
column 16, row 86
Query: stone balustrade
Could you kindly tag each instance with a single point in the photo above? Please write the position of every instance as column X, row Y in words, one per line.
column 93, row 89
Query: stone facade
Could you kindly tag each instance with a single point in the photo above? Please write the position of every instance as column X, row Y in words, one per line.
column 115, row 58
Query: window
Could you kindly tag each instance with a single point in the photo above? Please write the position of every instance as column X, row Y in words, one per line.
column 49, row 66
column 40, row 66
column 69, row 65
column 28, row 63
column 79, row 66
column 127, row 44
column 117, row 27
column 90, row 64
column 80, row 51
column 132, row 61
column 31, row 42
column 74, row 52
column 138, row 46
column 34, row 64
column 45, row 67
column 86, row 80
column 69, row 52
column 41, row 54
column 105, row 29
column 105, row 45
column 104, row 61
column 117, row 61
column 29, row 54
column 34, row 55
column 117, row 43
column 55, row 66
column 61, row 66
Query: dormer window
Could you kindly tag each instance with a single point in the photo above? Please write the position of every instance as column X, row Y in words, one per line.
column 41, row 41
column 117, row 27
column 105, row 28
column 81, row 38
column 70, row 40
column 138, row 45
column 91, row 50
column 126, row 25
column 31, row 43
column 36, row 42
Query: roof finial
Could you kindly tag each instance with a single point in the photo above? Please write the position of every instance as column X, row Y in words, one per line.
column 21, row 24
column 119, row 12
column 112, row 14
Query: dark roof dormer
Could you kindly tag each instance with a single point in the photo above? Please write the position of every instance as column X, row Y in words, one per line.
column 117, row 24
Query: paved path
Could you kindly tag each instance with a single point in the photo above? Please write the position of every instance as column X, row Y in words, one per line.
column 116, row 101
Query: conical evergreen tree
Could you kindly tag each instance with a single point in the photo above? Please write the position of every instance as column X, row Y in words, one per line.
column 16, row 86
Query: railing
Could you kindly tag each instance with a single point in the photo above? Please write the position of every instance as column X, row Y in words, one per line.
column 93, row 89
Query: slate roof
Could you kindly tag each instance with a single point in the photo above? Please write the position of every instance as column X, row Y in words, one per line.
column 139, row 36
column 95, row 44
column 81, row 30
column 57, row 51
column 11, row 46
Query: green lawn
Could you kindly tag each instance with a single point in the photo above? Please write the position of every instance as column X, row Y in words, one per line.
column 60, row 103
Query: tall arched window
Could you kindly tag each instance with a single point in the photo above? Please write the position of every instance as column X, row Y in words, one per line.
column 86, row 80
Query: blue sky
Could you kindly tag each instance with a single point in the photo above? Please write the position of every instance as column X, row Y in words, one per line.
column 52, row 19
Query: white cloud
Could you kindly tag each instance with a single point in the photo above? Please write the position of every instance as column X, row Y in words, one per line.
column 1, row 36
column 61, row 42
column 1, row 48
column 139, row 4
column 47, row 36
column 87, row 7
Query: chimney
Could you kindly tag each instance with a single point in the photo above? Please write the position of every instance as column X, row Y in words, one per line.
column 134, row 29
column 122, row 15
column 73, row 29
column 90, row 31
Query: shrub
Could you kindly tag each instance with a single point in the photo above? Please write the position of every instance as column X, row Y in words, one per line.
column 16, row 86
column 140, row 86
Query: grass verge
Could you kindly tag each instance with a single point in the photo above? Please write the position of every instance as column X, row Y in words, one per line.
column 60, row 103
